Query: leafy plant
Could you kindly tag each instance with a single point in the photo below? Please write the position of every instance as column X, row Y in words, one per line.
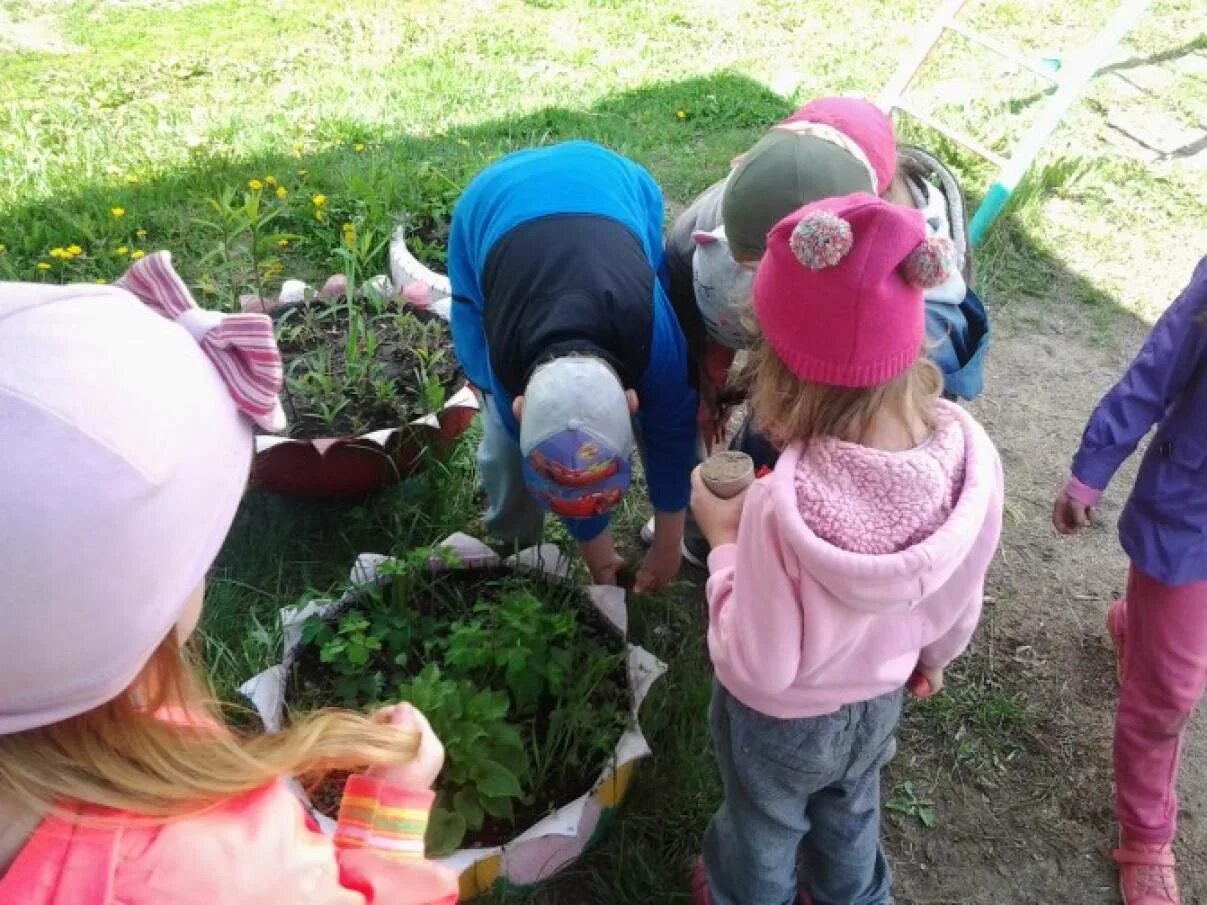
column 485, row 761
column 246, row 248
column 518, row 640
column 908, row 803
column 524, row 696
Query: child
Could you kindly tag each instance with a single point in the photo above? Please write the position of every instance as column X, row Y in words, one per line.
column 830, row 147
column 561, row 320
column 860, row 560
column 1160, row 629
column 127, row 414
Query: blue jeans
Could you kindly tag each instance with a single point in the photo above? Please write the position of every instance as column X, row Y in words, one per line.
column 806, row 787
column 512, row 515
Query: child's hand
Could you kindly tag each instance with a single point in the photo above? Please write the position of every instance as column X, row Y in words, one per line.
column 1070, row 516
column 718, row 519
column 926, row 681
column 602, row 559
column 658, row 568
column 421, row 771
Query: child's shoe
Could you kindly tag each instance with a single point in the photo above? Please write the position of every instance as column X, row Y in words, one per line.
column 1116, row 626
column 694, row 548
column 1147, row 874
column 702, row 896
column 700, row 892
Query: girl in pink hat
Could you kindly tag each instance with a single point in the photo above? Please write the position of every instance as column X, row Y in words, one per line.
column 126, row 418
column 858, row 563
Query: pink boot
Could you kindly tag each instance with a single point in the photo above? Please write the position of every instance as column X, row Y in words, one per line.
column 1116, row 625
column 1147, row 874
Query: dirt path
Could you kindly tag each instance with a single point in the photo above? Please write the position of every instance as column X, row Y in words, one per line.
column 1023, row 793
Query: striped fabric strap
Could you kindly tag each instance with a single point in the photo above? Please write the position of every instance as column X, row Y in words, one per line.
column 374, row 814
column 241, row 347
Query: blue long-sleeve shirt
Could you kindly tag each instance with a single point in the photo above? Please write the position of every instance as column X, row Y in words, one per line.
column 559, row 249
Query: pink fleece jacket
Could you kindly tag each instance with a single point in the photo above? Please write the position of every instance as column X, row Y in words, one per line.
column 258, row 848
column 799, row 627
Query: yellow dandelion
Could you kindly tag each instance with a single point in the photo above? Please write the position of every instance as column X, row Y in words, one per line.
column 297, row 147
column 118, row 212
column 136, row 254
column 319, row 200
column 680, row 114
column 282, row 243
column 359, row 148
column 42, row 265
column 282, row 192
column 130, row 180
column 121, row 251
column 320, row 216
column 270, row 180
column 74, row 250
column 101, row 281
column 255, row 185
column 141, row 233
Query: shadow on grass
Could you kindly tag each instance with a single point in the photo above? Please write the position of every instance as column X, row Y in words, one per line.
column 280, row 549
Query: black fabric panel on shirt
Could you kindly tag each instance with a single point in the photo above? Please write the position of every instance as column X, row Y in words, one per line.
column 567, row 283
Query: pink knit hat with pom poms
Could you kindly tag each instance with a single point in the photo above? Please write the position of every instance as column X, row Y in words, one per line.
column 839, row 293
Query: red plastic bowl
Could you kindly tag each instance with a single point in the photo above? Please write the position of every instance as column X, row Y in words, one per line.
column 355, row 466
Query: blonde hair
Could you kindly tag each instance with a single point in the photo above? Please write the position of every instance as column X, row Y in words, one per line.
column 790, row 410
column 123, row 756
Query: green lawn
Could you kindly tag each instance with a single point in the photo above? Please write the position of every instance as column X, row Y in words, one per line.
column 154, row 110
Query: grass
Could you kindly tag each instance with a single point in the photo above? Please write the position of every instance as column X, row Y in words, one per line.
column 387, row 110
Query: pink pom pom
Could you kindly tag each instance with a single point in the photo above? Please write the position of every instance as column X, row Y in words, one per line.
column 821, row 239
column 931, row 264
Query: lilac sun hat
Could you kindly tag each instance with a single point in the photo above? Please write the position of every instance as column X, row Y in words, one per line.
column 125, row 443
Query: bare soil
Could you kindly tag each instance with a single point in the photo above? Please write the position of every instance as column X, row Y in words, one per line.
column 1025, row 811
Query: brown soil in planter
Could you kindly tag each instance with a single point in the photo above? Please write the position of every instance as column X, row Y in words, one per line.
column 409, row 345
column 310, row 688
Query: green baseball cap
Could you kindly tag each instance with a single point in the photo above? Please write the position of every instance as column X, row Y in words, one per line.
column 783, row 172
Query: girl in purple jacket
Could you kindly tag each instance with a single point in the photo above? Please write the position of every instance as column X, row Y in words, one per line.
column 1160, row 629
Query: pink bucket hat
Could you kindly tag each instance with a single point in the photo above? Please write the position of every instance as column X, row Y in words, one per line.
column 125, row 413
column 863, row 123
column 838, row 294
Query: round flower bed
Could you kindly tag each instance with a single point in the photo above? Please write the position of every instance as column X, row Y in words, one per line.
column 525, row 676
column 371, row 389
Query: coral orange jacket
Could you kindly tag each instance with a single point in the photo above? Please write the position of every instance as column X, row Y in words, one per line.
column 261, row 847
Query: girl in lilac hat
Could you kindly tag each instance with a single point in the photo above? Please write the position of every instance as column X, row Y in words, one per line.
column 857, row 563
column 1160, row 628
column 126, row 418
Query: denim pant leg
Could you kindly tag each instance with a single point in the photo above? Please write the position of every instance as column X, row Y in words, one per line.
column 846, row 864
column 751, row 844
column 512, row 515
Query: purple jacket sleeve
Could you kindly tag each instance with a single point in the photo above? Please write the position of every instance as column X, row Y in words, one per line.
column 1159, row 373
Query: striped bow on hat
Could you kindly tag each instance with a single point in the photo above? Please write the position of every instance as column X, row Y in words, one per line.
column 241, row 347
